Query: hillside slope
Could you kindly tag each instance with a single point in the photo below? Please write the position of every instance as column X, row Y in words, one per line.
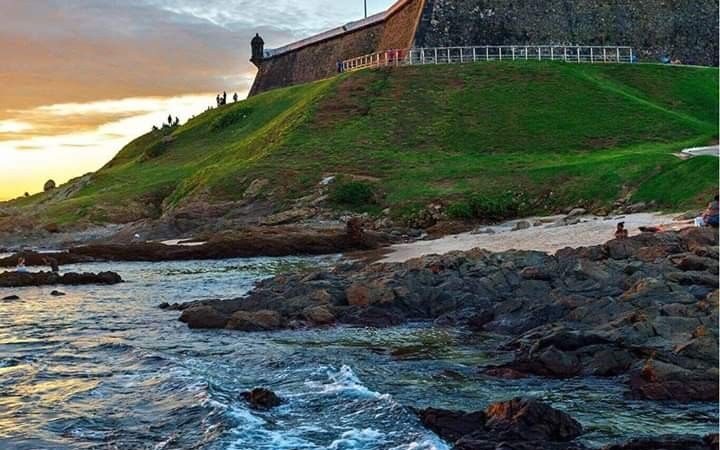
column 484, row 139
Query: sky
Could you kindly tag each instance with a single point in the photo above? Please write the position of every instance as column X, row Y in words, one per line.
column 79, row 79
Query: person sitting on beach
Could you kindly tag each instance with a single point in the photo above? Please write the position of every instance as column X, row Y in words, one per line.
column 53, row 263
column 21, row 268
column 621, row 232
column 710, row 216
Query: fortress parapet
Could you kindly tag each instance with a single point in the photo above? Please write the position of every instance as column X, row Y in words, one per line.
column 656, row 29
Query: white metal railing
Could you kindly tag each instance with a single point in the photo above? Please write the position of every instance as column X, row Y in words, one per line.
column 459, row 55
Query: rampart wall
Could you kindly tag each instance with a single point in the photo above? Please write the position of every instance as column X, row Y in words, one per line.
column 685, row 30
column 318, row 60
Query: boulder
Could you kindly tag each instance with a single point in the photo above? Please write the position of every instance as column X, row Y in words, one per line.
column 523, row 419
column 522, row 225
column 11, row 297
column 452, row 425
column 57, row 294
column 667, row 442
column 22, row 279
column 364, row 295
column 522, row 424
column 204, row 317
column 263, row 320
column 662, row 381
column 261, row 398
column 319, row 315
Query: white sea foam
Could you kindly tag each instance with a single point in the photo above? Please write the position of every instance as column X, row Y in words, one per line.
column 358, row 439
column 344, row 382
column 429, row 443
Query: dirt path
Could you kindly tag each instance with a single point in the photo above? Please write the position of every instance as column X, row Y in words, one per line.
column 547, row 237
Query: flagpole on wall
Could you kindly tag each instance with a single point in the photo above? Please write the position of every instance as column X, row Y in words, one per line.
column 366, row 9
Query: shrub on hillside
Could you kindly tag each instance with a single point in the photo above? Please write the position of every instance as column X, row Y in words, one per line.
column 484, row 207
column 230, row 118
column 155, row 150
column 353, row 193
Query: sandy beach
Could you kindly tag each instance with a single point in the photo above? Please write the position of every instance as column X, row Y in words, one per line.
column 548, row 237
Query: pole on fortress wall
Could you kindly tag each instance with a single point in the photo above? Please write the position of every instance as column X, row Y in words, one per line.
column 366, row 9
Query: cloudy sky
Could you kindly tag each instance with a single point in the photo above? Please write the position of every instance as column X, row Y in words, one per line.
column 81, row 78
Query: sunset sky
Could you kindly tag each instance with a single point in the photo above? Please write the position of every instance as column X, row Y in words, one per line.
column 81, row 78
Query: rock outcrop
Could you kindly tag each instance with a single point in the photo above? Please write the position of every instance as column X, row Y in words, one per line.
column 520, row 424
column 24, row 279
column 272, row 241
column 645, row 308
column 261, row 398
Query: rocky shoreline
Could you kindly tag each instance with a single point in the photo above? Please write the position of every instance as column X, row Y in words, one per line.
column 527, row 424
column 252, row 242
column 644, row 309
column 26, row 279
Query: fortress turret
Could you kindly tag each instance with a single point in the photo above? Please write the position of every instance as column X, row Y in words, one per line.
column 258, row 50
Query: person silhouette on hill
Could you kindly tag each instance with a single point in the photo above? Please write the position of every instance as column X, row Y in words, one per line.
column 224, row 98
column 235, row 98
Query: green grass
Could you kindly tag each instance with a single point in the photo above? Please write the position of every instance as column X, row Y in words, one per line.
column 544, row 135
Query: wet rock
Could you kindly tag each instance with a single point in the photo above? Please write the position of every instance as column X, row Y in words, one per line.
column 525, row 419
column 363, row 295
column 515, row 424
column 452, row 425
column 667, row 442
column 595, row 311
column 20, row 279
column 57, row 294
column 505, row 373
column 250, row 242
column 11, row 297
column 204, row 317
column 663, row 381
column 263, row 320
column 261, row 398
column 319, row 315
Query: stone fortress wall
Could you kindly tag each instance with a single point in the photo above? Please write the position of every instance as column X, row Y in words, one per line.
column 684, row 30
column 316, row 59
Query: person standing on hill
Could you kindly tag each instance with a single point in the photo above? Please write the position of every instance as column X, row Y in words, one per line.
column 235, row 98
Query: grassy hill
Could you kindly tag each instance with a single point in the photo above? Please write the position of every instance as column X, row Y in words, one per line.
column 491, row 138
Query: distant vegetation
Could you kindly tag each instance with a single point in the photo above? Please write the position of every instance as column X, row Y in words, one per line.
column 488, row 140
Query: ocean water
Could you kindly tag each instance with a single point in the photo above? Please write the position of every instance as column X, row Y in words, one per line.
column 104, row 368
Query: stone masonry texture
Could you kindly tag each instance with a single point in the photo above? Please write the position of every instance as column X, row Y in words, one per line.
column 684, row 30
